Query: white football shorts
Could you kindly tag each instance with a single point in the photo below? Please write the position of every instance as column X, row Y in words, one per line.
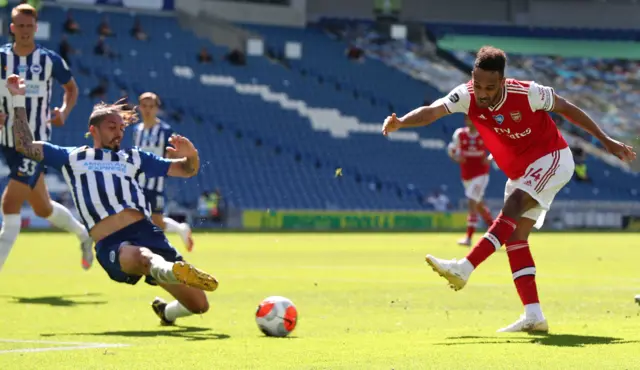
column 542, row 180
column 474, row 188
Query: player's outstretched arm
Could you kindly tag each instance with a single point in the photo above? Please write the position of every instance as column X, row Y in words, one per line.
column 418, row 117
column 457, row 101
column 581, row 119
column 23, row 135
column 21, row 131
column 184, row 157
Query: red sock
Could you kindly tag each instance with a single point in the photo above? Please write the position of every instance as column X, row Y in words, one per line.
column 472, row 222
column 485, row 213
column 498, row 234
column 524, row 271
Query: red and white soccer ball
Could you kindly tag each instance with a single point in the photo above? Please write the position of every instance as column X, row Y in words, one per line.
column 276, row 316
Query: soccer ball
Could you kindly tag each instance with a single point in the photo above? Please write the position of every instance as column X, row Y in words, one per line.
column 276, row 316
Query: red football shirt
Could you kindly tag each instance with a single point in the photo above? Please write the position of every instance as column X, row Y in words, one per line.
column 518, row 130
column 471, row 148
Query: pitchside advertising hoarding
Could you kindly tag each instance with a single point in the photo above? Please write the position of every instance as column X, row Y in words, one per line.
column 351, row 220
column 133, row 4
column 418, row 221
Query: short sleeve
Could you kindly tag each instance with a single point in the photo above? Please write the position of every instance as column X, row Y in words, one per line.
column 55, row 156
column 457, row 101
column 153, row 165
column 60, row 70
column 541, row 97
column 455, row 141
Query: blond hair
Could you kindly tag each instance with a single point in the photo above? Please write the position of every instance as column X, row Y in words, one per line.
column 25, row 9
column 149, row 95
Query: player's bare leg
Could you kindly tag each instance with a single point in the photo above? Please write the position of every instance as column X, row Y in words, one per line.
column 458, row 272
column 188, row 301
column 62, row 218
column 523, row 269
column 136, row 260
column 14, row 195
column 484, row 212
column 170, row 225
column 158, row 220
column 472, row 223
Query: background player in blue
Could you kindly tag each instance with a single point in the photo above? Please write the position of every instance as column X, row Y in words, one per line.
column 38, row 67
column 104, row 182
column 152, row 135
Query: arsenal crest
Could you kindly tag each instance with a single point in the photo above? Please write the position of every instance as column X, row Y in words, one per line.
column 516, row 116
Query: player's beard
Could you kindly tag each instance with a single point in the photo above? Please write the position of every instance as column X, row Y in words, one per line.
column 114, row 145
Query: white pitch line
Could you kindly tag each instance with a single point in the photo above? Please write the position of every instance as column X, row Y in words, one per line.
column 77, row 345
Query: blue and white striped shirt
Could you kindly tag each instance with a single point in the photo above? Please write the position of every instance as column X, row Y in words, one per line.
column 38, row 69
column 104, row 182
column 153, row 140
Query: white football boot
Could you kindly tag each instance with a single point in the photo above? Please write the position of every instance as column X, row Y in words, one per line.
column 185, row 235
column 87, row 253
column 465, row 242
column 451, row 270
column 638, row 299
column 528, row 324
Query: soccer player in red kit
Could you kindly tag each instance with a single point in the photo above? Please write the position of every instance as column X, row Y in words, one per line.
column 467, row 149
column 513, row 120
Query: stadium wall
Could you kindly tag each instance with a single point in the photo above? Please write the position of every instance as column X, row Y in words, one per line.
column 538, row 13
column 595, row 14
column 294, row 15
column 157, row 5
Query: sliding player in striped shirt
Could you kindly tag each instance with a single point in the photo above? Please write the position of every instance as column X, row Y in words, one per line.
column 105, row 188
column 38, row 67
column 152, row 135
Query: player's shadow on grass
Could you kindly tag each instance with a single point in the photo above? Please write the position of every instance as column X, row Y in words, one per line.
column 555, row 340
column 58, row 300
column 185, row 332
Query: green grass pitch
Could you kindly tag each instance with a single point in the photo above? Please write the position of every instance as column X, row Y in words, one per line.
column 365, row 301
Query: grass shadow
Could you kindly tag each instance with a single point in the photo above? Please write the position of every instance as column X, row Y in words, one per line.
column 554, row 340
column 276, row 338
column 57, row 300
column 186, row 332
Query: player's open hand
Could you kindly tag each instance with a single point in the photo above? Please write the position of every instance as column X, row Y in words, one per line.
column 58, row 117
column 16, row 85
column 182, row 147
column 621, row 150
column 3, row 119
column 391, row 124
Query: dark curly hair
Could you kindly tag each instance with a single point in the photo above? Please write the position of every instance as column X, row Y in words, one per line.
column 491, row 59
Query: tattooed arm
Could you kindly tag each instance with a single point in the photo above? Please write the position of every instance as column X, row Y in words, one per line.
column 182, row 160
column 185, row 167
column 22, row 133
column 51, row 155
